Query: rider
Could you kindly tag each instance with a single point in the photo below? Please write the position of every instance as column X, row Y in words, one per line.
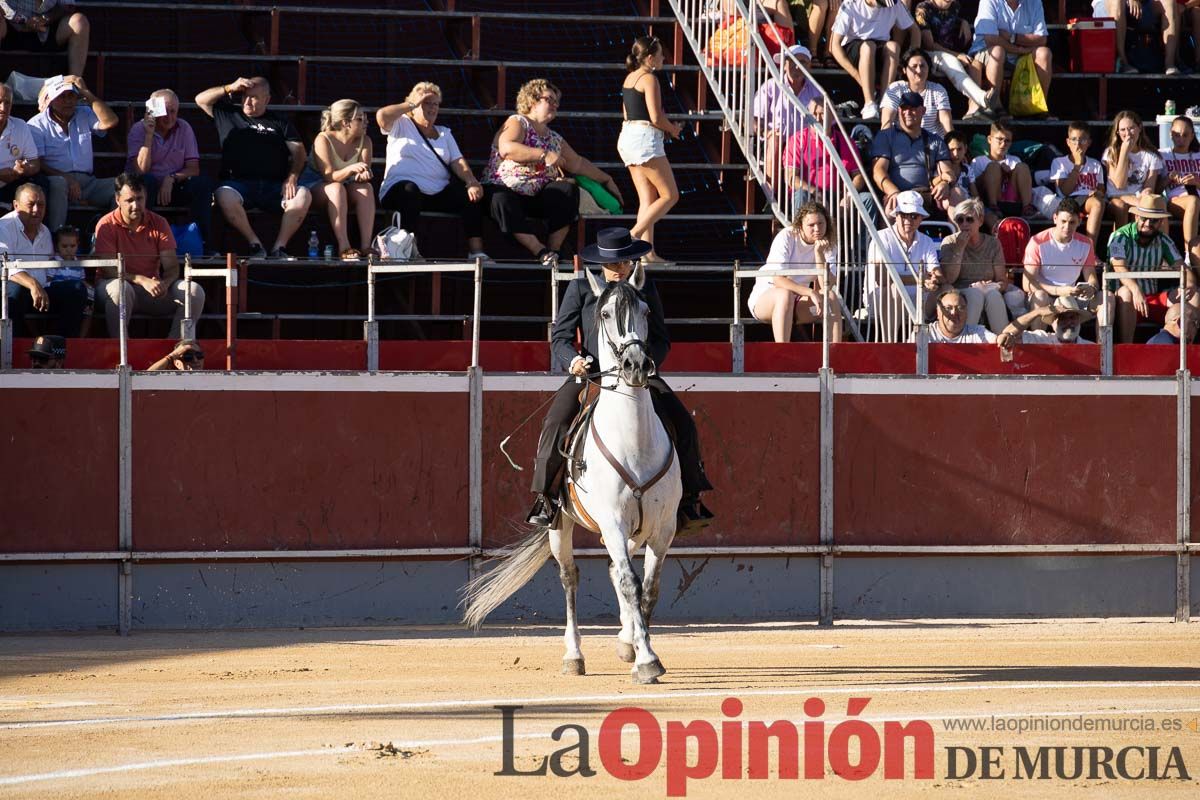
column 617, row 251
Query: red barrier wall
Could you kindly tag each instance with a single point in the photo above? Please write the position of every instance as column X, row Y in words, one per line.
column 299, row 470
column 946, row 470
column 765, row 442
column 58, row 470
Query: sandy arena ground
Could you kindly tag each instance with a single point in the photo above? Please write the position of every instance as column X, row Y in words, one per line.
column 409, row 712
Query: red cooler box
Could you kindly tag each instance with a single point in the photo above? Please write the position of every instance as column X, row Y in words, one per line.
column 1093, row 44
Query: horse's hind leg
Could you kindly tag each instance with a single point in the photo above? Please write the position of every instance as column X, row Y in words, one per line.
column 568, row 573
column 647, row 667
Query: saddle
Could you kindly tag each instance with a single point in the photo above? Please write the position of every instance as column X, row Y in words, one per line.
column 574, row 466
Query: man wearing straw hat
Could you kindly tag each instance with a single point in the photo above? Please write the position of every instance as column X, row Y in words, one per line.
column 617, row 252
column 1141, row 246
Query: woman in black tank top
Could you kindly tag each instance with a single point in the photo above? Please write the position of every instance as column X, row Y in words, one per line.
column 641, row 141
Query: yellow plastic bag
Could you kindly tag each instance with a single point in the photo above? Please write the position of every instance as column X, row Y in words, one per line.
column 1026, row 98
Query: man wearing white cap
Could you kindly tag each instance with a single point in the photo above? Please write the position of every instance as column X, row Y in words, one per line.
column 1141, row 246
column 63, row 135
column 776, row 117
column 911, row 253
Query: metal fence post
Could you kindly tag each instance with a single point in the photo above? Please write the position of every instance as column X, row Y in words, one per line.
column 188, row 326
column 371, row 326
column 6, row 343
column 125, row 497
column 1183, row 498
column 826, row 381
column 475, row 466
column 737, row 331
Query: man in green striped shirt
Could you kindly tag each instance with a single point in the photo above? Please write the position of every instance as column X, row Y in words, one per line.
column 1141, row 246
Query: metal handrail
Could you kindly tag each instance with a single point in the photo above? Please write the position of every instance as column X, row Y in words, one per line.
column 371, row 326
column 6, row 258
column 735, row 86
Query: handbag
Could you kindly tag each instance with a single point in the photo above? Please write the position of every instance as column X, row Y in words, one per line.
column 396, row 244
column 1026, row 97
column 729, row 43
column 602, row 198
column 188, row 240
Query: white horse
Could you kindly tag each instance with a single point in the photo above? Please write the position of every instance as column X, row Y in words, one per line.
column 630, row 489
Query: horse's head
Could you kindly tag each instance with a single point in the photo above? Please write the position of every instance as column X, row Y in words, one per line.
column 623, row 322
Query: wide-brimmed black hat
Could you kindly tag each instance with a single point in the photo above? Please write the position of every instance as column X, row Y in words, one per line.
column 613, row 245
column 49, row 347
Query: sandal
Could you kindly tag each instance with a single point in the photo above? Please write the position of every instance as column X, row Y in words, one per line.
column 350, row 254
column 548, row 257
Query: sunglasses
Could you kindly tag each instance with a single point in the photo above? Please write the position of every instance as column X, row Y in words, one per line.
column 964, row 219
column 909, row 216
column 191, row 356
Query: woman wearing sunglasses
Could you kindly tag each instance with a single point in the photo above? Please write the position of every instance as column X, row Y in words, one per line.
column 973, row 263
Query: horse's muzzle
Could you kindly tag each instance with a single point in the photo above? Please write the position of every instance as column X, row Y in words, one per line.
column 636, row 366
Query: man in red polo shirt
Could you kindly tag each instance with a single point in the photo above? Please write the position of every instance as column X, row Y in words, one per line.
column 152, row 284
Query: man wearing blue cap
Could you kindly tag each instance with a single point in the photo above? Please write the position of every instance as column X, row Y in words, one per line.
column 910, row 158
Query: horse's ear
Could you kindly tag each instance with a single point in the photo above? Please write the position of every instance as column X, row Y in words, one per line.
column 592, row 282
column 637, row 278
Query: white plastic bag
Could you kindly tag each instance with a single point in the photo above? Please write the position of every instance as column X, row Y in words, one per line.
column 396, row 244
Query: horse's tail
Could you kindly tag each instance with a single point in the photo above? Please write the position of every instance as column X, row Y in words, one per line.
column 518, row 564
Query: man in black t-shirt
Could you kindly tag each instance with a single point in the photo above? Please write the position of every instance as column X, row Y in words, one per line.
column 261, row 161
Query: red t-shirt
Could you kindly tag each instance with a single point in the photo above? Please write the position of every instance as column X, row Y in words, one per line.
column 141, row 247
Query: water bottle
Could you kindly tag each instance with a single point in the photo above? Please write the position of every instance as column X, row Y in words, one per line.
column 1169, row 108
column 314, row 246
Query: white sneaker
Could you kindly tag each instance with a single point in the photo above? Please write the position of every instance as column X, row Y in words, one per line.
column 479, row 254
column 870, row 111
column 1172, row 71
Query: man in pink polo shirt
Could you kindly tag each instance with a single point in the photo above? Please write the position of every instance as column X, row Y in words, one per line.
column 144, row 239
column 1061, row 263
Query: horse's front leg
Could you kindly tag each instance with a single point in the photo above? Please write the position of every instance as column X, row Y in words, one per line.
column 562, row 547
column 646, row 667
column 656, row 556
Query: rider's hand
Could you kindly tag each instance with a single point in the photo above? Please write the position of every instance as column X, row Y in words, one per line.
column 579, row 366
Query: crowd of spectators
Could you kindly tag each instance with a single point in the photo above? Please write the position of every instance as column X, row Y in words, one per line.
column 918, row 163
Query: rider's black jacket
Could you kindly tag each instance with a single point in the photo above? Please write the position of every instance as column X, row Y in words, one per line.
column 578, row 311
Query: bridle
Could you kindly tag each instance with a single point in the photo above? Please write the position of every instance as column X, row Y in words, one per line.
column 618, row 350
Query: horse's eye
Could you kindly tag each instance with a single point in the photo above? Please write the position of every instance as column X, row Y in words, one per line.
column 605, row 315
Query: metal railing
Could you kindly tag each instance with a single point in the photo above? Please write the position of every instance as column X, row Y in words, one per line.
column 371, row 327
column 6, row 259
column 750, row 88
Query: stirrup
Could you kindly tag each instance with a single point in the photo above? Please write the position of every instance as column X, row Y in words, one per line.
column 693, row 517
column 544, row 512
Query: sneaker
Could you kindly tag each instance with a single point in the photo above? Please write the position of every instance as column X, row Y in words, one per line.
column 279, row 254
column 847, row 109
column 257, row 251
column 1125, row 68
column 980, row 115
column 870, row 111
column 480, row 255
column 1172, row 71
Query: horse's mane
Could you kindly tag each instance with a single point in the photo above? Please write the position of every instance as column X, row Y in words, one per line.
column 626, row 296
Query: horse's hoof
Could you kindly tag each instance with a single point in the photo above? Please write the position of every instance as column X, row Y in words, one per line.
column 625, row 652
column 648, row 673
column 573, row 666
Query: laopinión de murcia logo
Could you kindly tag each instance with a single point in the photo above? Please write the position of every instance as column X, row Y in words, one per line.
column 852, row 749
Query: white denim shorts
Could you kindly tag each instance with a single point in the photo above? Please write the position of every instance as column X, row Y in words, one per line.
column 639, row 142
